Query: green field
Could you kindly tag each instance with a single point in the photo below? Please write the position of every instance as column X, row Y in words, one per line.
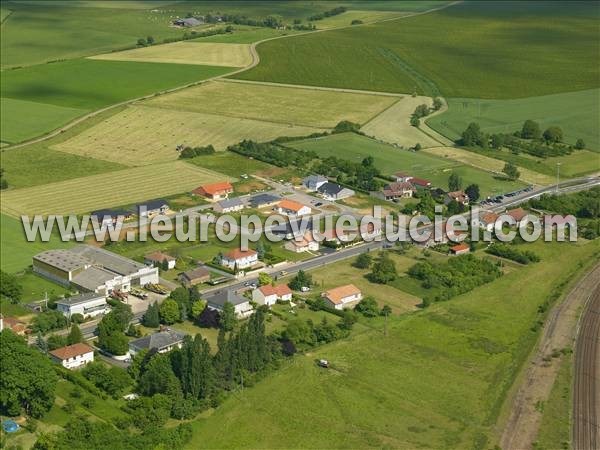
column 389, row 160
column 21, row 120
column 438, row 380
column 472, row 49
column 245, row 35
column 577, row 113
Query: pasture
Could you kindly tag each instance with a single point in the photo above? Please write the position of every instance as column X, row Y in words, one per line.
column 123, row 187
column 244, row 34
column 471, row 49
column 142, row 135
column 437, row 380
column 21, row 120
column 577, row 113
column 207, row 53
column 393, row 125
column 345, row 19
column 288, row 105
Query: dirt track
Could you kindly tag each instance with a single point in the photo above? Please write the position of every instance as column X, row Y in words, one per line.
column 521, row 430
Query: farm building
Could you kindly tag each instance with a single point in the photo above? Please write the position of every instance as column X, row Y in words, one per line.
column 152, row 208
column 264, row 200
column 292, row 208
column 214, row 191
column 73, row 356
column 188, row 22
column 242, row 305
column 93, row 269
column 110, row 216
column 419, row 183
column 229, row 205
column 239, row 259
column 334, row 191
column 314, row 182
column 401, row 189
column 195, row 276
column 457, row 196
column 342, row 297
column 160, row 342
column 159, row 258
column 459, row 249
column 88, row 305
column 306, row 244
column 268, row 295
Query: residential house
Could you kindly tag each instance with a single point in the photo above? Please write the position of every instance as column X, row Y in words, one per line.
column 229, row 205
column 195, row 276
column 314, row 182
column 459, row 249
column 241, row 305
column 152, row 208
column 402, row 177
column 214, row 191
column 73, row 356
column 334, row 191
column 306, row 244
column 292, row 208
column 420, row 183
column 188, row 22
column 268, row 295
column 13, row 324
column 457, row 196
column 90, row 304
column 264, row 201
column 402, row 189
column 159, row 258
column 110, row 216
column 342, row 297
column 239, row 259
column 488, row 221
column 370, row 230
column 160, row 342
column 518, row 214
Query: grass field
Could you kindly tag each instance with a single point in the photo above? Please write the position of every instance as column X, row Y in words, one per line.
column 345, row 19
column 420, row 164
column 21, row 120
column 81, row 195
column 437, row 380
column 577, row 113
column 143, row 135
column 231, row 164
column 297, row 106
column 472, row 49
column 202, row 53
column 393, row 125
column 243, row 34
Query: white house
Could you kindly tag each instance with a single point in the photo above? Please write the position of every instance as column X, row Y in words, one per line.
column 73, row 356
column 342, row 297
column 292, row 208
column 161, row 342
column 241, row 305
column 239, row 259
column 229, row 205
column 268, row 295
column 88, row 305
column 314, row 182
column 306, row 244
column 158, row 259
column 488, row 221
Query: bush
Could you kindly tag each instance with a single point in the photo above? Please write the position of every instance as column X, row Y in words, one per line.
column 512, row 253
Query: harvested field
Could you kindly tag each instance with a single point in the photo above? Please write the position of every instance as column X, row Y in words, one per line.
column 122, row 187
column 393, row 125
column 289, row 105
column 208, row 53
column 143, row 135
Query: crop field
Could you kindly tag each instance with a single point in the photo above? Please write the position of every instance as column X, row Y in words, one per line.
column 123, row 187
column 472, row 49
column 21, row 120
column 345, row 19
column 577, row 113
column 207, row 53
column 145, row 135
column 393, row 125
column 385, row 391
column 289, row 105
column 244, row 34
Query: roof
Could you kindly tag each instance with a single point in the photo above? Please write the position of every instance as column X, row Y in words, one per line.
column 158, row 340
column 518, row 214
column 70, row 351
column 65, row 260
column 459, row 196
column 93, row 278
column 159, row 257
column 11, row 322
column 402, row 175
column 189, row 21
column 230, row 203
column 459, row 248
column 279, row 290
column 398, row 187
column 194, row 274
column 152, row 205
column 214, row 188
column 79, row 299
column 489, row 217
column 114, row 213
column 331, row 188
column 238, row 253
column 420, row 181
column 108, row 260
column 264, row 199
column 218, row 300
column 290, row 205
column 338, row 294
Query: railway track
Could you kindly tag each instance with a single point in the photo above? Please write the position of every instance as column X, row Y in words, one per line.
column 586, row 383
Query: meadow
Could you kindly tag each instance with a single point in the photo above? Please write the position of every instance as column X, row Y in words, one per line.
column 186, row 52
column 244, row 34
column 288, row 105
column 421, row 164
column 437, row 380
column 577, row 113
column 472, row 49
column 345, row 19
column 142, row 135
column 123, row 187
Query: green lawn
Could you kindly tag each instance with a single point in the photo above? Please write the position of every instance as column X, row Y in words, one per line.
column 35, row 287
column 472, row 49
column 230, row 163
column 245, row 35
column 438, row 380
column 577, row 113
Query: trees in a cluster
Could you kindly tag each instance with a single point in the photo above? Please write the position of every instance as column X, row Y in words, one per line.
column 48, row 321
column 455, row 182
column 302, row 279
column 383, row 270
column 367, row 307
column 169, row 311
column 363, row 261
column 10, row 287
column 151, row 317
column 511, row 171
column 111, row 329
column 472, row 191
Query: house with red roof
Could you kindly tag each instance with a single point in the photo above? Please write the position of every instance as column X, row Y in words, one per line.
column 457, row 196
column 341, row 297
column 459, row 249
column 268, row 295
column 73, row 356
column 292, row 208
column 239, row 259
column 393, row 191
column 214, row 191
column 158, row 258
column 306, row 244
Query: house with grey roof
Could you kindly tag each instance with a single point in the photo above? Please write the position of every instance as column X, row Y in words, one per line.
column 242, row 305
column 314, row 182
column 160, row 342
column 152, row 208
column 188, row 22
column 264, row 200
column 228, row 205
column 334, row 191
column 90, row 304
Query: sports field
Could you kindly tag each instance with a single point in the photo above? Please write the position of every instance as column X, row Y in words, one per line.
column 577, row 113
column 471, row 49
column 211, row 54
column 123, row 187
column 289, row 105
column 143, row 135
column 393, row 124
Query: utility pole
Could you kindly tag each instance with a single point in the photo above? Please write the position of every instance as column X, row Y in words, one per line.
column 385, row 325
column 557, row 176
column 46, row 300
